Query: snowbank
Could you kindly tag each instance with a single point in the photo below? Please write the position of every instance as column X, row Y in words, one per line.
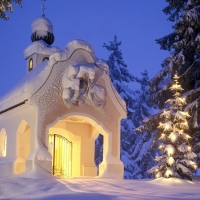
column 89, row 189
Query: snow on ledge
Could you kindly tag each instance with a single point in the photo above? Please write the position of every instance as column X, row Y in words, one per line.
column 70, row 48
column 40, row 47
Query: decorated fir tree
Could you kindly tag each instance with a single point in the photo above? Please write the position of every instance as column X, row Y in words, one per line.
column 177, row 159
column 184, row 46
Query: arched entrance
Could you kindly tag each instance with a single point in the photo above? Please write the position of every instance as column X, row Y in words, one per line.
column 74, row 152
column 61, row 151
column 23, row 147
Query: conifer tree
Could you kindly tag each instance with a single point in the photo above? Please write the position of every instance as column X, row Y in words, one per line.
column 119, row 75
column 136, row 153
column 6, row 5
column 140, row 154
column 177, row 155
column 184, row 44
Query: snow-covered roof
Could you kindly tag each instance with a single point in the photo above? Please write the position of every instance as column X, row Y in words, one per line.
column 40, row 47
column 32, row 82
column 37, row 77
column 42, row 24
column 26, row 87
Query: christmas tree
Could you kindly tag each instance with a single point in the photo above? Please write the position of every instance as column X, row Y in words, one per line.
column 184, row 46
column 177, row 159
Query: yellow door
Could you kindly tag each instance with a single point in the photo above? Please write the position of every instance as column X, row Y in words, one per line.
column 61, row 150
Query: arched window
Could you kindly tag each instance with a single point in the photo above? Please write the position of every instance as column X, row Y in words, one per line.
column 45, row 58
column 3, row 143
column 30, row 65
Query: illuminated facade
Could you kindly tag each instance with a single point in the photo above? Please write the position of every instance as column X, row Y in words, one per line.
column 53, row 116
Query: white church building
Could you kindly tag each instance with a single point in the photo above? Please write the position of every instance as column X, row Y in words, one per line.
column 53, row 116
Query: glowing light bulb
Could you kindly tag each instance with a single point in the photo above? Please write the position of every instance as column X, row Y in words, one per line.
column 195, row 166
column 189, row 148
column 173, row 138
column 166, row 127
column 158, row 175
column 170, row 151
column 170, row 160
column 168, row 173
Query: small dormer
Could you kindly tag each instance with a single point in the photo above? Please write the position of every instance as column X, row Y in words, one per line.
column 42, row 37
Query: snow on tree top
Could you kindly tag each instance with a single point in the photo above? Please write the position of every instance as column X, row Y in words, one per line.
column 42, row 24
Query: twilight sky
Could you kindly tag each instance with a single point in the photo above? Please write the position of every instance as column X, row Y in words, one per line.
column 136, row 23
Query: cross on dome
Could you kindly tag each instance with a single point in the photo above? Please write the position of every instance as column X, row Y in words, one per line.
column 43, row 8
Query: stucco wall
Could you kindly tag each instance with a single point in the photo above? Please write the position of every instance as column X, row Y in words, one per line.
column 10, row 121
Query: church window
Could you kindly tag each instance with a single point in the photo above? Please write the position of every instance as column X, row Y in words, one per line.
column 45, row 58
column 30, row 66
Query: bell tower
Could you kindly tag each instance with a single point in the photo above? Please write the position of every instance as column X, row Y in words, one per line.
column 42, row 37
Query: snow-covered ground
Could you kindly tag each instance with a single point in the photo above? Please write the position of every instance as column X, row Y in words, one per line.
column 43, row 186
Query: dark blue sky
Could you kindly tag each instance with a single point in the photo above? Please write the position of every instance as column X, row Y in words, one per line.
column 136, row 23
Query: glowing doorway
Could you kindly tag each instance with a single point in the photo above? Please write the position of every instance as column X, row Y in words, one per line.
column 61, row 150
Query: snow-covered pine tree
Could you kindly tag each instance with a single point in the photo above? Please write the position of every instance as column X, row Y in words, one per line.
column 6, row 5
column 177, row 158
column 119, row 75
column 140, row 156
column 136, row 153
column 184, row 44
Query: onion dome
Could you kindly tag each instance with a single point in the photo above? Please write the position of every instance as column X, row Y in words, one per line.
column 42, row 29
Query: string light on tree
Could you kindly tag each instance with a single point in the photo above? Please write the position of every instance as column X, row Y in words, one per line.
column 177, row 156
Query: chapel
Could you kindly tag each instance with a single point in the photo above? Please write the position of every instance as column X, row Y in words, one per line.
column 53, row 116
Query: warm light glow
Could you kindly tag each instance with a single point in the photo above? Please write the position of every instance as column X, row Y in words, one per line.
column 187, row 136
column 168, row 173
column 195, row 166
column 183, row 100
column 171, row 160
column 62, row 155
column 167, row 127
column 3, row 143
column 158, row 175
column 173, row 138
column 170, row 151
column 189, row 148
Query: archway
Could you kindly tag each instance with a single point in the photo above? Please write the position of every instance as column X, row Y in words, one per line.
column 81, row 131
column 3, row 143
column 23, row 147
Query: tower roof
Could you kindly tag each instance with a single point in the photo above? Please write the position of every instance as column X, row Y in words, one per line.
column 42, row 29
